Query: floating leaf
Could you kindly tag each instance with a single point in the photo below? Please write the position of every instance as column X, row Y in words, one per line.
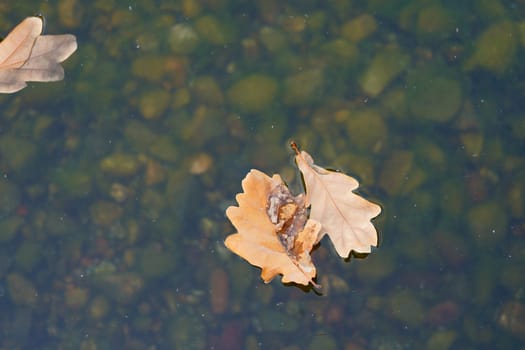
column 273, row 230
column 277, row 231
column 25, row 55
column 344, row 215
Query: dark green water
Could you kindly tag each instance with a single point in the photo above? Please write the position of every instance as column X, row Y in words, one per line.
column 115, row 181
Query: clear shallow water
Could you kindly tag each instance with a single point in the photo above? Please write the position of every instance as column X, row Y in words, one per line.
column 115, row 180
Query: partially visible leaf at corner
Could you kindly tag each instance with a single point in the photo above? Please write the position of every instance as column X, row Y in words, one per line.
column 16, row 48
column 344, row 215
column 258, row 239
column 25, row 55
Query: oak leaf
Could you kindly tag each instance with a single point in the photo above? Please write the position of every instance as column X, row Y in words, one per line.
column 277, row 231
column 274, row 232
column 344, row 215
column 26, row 55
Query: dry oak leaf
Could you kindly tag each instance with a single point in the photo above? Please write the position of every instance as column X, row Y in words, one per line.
column 25, row 55
column 262, row 242
column 344, row 215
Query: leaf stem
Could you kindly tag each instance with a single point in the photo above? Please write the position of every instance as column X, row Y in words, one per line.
column 295, row 147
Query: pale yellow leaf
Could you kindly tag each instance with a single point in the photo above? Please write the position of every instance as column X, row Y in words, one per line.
column 25, row 55
column 344, row 215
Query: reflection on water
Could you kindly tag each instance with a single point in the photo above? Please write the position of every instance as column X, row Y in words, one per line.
column 115, row 181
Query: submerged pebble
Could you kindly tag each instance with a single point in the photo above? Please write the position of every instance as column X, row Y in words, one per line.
column 303, row 88
column 395, row 171
column 384, row 67
column 155, row 262
column 187, row 332
column 441, row 340
column 366, row 129
column 253, row 93
column 359, row 28
column 120, row 164
column 183, row 38
column 153, row 103
column 9, row 198
column 104, row 213
column 75, row 297
column 120, row 287
column 219, row 290
column 511, row 317
column 406, row 308
column 21, row 290
column 9, row 227
column 495, row 49
column 433, row 96
column 17, row 152
column 215, row 31
column 207, row 90
column 487, row 222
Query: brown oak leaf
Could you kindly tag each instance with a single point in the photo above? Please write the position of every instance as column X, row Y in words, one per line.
column 344, row 215
column 26, row 55
column 274, row 232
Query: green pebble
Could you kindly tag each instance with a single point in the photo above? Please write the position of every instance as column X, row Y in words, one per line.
column 395, row 102
column 139, row 135
column 76, row 297
column 99, row 308
column 376, row 267
column 406, row 308
column 9, row 227
column 303, row 88
column 359, row 28
column 326, row 342
column 207, row 90
column 187, row 332
column 433, row 96
column 118, row 286
column 366, row 129
column 495, row 49
column 435, row 22
column 215, row 31
column 73, row 182
column 340, row 52
column 156, row 262
column 153, row 103
column 164, row 149
column 58, row 224
column 28, row 255
column 395, row 170
column 17, row 153
column 152, row 204
column 253, row 93
column 151, row 68
column 384, row 67
column 9, row 196
column 104, row 213
column 120, row 164
column 488, row 222
column 272, row 39
column 512, row 276
column 277, row 321
column 183, row 39
column 441, row 340
column 21, row 290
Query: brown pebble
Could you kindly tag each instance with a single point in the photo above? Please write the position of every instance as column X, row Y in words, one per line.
column 334, row 314
column 155, row 173
column 201, row 163
column 219, row 291
column 512, row 318
column 443, row 314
